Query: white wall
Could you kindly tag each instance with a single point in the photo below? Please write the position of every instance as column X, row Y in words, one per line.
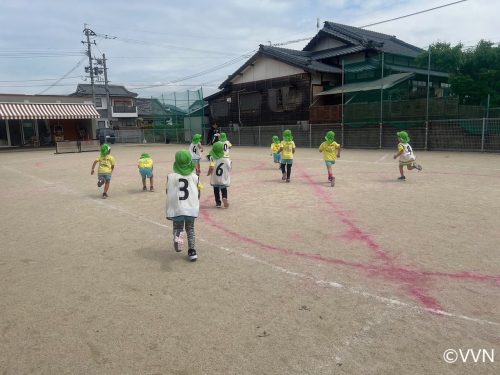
column 327, row 43
column 266, row 68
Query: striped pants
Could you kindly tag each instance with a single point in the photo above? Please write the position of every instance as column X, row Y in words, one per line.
column 178, row 227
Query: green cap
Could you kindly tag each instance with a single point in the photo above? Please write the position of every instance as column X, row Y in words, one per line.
column 330, row 137
column 196, row 139
column 403, row 136
column 223, row 137
column 217, row 151
column 287, row 135
column 144, row 155
column 276, row 139
column 183, row 163
column 105, row 149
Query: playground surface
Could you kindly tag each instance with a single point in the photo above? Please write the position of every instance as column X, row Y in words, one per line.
column 372, row 276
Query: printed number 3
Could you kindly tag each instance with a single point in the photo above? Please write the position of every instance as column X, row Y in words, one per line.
column 184, row 189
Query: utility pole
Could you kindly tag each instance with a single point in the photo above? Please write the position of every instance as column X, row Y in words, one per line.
column 88, row 34
column 108, row 101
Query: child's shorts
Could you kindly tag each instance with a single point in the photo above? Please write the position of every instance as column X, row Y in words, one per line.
column 106, row 176
column 329, row 163
column 277, row 157
column 406, row 162
column 287, row 161
column 182, row 218
column 146, row 172
column 196, row 161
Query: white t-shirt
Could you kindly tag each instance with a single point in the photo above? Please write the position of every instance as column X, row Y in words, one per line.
column 195, row 151
column 182, row 195
column 221, row 175
column 407, row 154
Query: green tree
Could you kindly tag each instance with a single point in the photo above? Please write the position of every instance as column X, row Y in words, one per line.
column 474, row 72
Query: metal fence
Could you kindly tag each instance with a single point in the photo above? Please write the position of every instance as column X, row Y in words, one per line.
column 457, row 135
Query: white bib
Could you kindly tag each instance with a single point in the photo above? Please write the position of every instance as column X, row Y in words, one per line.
column 221, row 175
column 182, row 195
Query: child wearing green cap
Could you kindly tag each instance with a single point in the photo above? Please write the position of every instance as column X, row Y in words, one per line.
column 287, row 149
column 221, row 179
column 195, row 149
column 145, row 165
column 227, row 145
column 331, row 151
column 106, row 166
column 406, row 155
column 183, row 201
column 275, row 149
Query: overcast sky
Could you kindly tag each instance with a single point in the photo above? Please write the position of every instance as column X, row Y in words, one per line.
column 160, row 42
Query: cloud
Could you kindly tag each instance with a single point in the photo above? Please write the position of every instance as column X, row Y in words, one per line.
column 162, row 41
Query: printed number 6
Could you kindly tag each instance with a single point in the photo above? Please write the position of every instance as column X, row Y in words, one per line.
column 219, row 171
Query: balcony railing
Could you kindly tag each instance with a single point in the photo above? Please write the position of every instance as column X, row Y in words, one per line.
column 124, row 109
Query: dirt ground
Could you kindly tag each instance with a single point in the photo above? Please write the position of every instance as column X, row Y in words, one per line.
column 373, row 276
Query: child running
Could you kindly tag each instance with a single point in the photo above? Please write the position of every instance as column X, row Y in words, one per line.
column 183, row 201
column 331, row 151
column 226, row 143
column 145, row 165
column 220, row 171
column 406, row 155
column 195, row 148
column 287, row 148
column 106, row 166
column 275, row 150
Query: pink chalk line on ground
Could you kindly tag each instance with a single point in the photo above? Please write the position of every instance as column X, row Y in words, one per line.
column 413, row 282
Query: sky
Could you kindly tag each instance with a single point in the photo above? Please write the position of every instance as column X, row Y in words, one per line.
column 158, row 47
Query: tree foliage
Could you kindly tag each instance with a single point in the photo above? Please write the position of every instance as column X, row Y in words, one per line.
column 474, row 72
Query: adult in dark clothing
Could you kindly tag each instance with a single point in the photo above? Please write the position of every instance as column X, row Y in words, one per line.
column 213, row 134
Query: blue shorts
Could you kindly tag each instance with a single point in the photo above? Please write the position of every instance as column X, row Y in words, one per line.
column 182, row 218
column 277, row 157
column 106, row 176
column 329, row 163
column 287, row 161
column 146, row 172
column 196, row 161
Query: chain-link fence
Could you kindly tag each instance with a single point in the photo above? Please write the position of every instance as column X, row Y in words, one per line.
column 458, row 135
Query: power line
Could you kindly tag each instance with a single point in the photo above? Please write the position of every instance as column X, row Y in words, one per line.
column 413, row 14
column 64, row 76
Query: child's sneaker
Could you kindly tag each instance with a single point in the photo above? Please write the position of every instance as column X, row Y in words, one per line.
column 192, row 255
column 144, row 188
column 419, row 167
column 332, row 182
column 179, row 242
column 225, row 202
column 218, row 205
column 283, row 177
column 402, row 178
column 100, row 181
column 287, row 180
column 151, row 188
column 104, row 195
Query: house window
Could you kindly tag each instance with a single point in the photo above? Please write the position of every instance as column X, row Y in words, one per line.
column 101, row 124
column 250, row 102
column 98, row 102
column 284, row 99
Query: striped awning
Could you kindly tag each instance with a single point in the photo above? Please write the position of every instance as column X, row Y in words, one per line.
column 53, row 111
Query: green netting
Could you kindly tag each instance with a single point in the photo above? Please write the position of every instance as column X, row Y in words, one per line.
column 175, row 116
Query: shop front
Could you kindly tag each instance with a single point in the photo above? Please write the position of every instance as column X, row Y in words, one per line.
column 29, row 123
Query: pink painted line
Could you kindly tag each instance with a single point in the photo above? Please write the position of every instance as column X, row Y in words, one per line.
column 415, row 283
